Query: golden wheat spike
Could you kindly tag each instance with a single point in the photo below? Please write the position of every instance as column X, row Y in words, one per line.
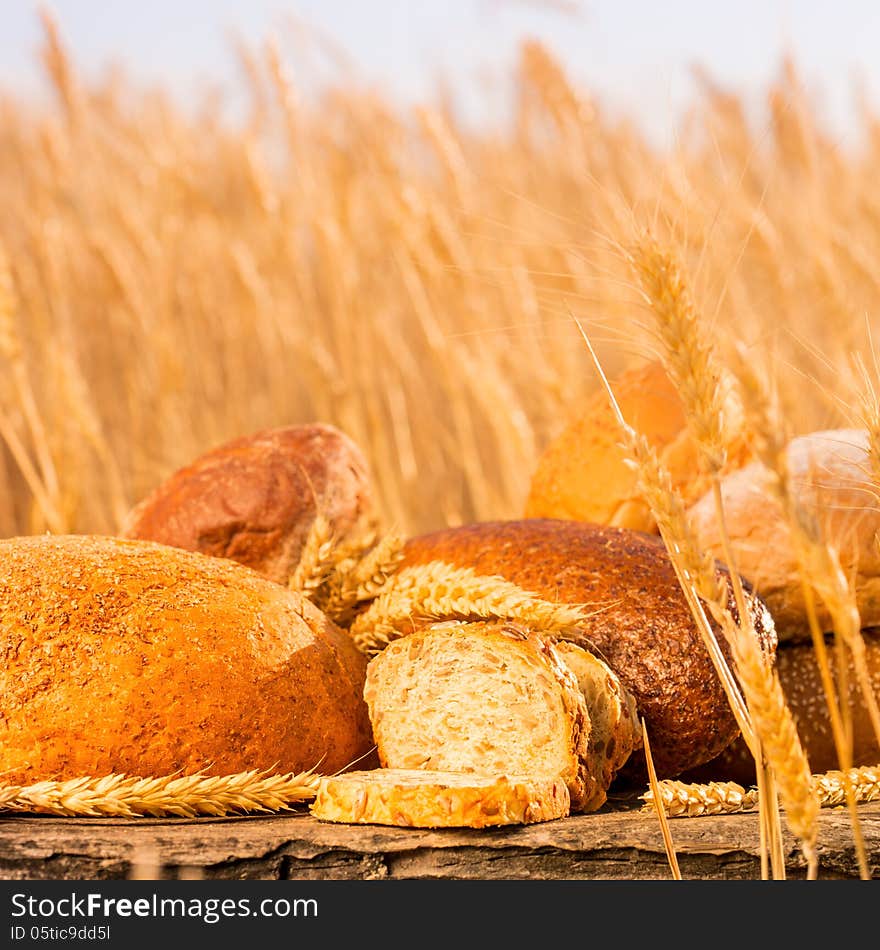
column 440, row 591
column 183, row 796
column 688, row 800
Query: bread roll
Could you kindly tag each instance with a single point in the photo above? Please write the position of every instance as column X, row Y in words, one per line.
column 831, row 477
column 583, row 475
column 423, row 798
column 129, row 656
column 644, row 630
column 480, row 697
column 254, row 499
column 802, row 685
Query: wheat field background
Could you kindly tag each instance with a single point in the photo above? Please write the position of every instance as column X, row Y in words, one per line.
column 171, row 280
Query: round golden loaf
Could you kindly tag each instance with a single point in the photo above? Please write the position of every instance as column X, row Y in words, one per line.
column 583, row 474
column 830, row 475
column 129, row 656
column 254, row 499
column 642, row 627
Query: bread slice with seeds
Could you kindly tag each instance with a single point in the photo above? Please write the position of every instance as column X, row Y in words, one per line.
column 425, row 798
column 480, row 697
column 614, row 719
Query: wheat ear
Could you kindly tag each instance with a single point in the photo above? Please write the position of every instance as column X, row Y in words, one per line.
column 338, row 574
column 685, row 800
column 820, row 570
column 440, row 591
column 183, row 796
column 315, row 563
column 690, row 360
column 687, row 354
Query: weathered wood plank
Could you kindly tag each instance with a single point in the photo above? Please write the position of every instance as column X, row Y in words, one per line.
column 617, row 843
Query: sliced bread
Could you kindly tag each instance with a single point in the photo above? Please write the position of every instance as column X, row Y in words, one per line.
column 614, row 719
column 480, row 697
column 425, row 798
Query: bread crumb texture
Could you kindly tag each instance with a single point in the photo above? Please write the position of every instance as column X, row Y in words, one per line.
column 481, row 697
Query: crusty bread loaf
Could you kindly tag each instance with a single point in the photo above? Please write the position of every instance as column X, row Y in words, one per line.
column 254, row 499
column 830, row 476
column 644, row 630
column 802, row 685
column 129, row 656
column 583, row 475
column 480, row 697
column 425, row 798
column 614, row 720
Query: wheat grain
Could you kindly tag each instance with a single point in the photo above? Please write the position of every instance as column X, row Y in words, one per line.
column 688, row 357
column 689, row 800
column 317, row 559
column 684, row 800
column 439, row 591
column 184, row 796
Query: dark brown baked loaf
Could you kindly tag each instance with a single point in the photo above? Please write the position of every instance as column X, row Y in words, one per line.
column 254, row 499
column 802, row 685
column 644, row 630
column 129, row 656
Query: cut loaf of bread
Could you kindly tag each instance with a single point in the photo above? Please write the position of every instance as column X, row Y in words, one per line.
column 480, row 697
column 641, row 626
column 426, row 798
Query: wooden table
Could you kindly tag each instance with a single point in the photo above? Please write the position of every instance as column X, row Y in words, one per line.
column 619, row 842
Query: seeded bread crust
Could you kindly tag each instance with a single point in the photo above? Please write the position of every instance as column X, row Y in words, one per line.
column 433, row 669
column 254, row 499
column 423, row 798
column 802, row 685
column 129, row 656
column 614, row 719
column 642, row 626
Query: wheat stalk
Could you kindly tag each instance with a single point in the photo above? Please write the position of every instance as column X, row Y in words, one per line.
column 687, row 355
column 316, row 560
column 820, row 571
column 694, row 568
column 183, row 796
column 337, row 574
column 766, row 716
column 683, row 800
column 693, row 367
column 686, row 800
column 657, row 795
column 439, row 591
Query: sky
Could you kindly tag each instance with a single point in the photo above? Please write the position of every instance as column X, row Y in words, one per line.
column 635, row 57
